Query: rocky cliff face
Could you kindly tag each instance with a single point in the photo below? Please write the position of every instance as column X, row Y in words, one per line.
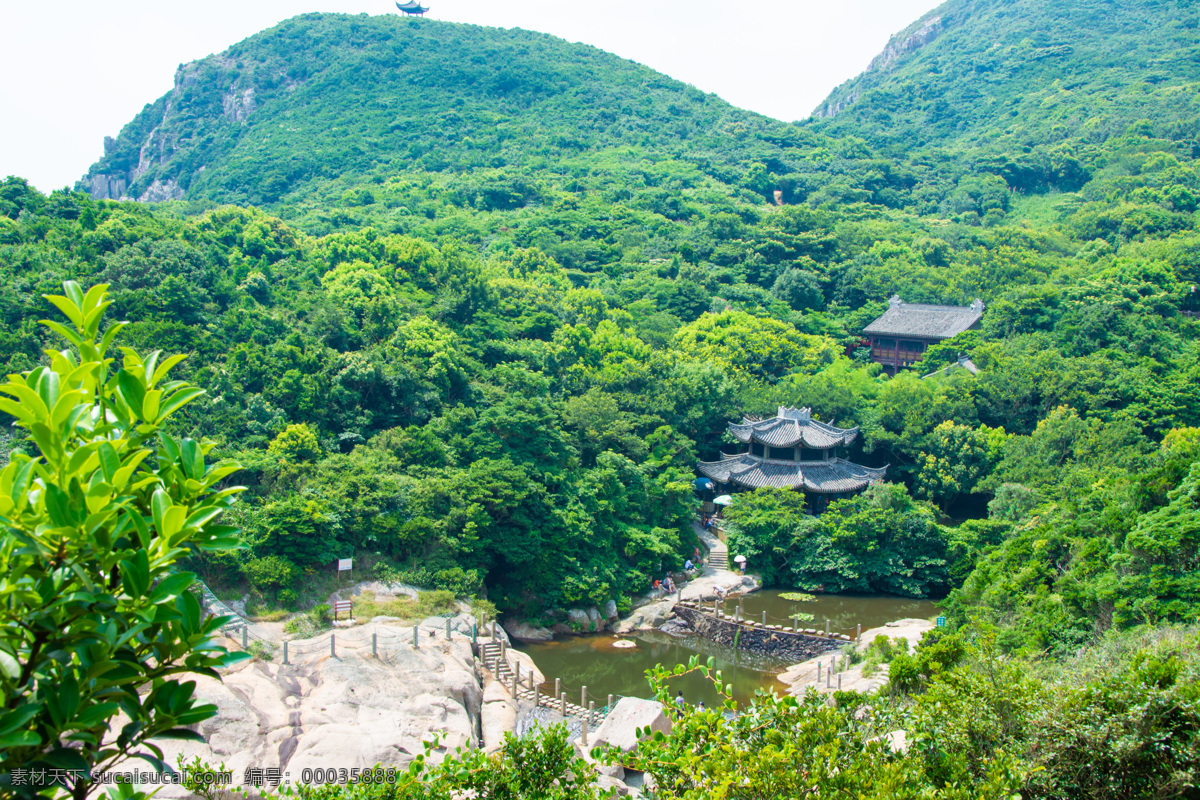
column 904, row 43
column 133, row 164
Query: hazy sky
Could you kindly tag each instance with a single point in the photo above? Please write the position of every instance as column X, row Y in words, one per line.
column 75, row 72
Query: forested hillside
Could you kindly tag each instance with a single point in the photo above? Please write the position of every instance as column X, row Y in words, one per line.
column 469, row 304
column 327, row 101
column 1027, row 90
column 974, row 71
column 490, row 318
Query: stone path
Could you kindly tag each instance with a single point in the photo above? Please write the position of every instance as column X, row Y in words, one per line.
column 718, row 553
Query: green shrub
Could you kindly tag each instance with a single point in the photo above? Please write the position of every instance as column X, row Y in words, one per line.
column 263, row 651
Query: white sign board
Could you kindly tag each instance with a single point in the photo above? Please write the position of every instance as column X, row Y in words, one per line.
column 345, row 564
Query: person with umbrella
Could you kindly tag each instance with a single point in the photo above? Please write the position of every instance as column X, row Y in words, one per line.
column 741, row 561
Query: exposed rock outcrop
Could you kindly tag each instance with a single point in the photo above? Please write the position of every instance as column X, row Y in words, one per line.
column 907, row 42
column 903, row 43
column 801, row 677
column 524, row 632
column 498, row 715
column 354, row 711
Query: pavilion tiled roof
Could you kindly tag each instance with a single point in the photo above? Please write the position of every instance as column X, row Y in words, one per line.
column 793, row 427
column 925, row 321
column 823, row 477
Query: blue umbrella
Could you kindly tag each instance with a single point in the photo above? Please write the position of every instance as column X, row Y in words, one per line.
column 702, row 484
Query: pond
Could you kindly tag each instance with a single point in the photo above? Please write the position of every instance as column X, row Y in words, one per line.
column 594, row 662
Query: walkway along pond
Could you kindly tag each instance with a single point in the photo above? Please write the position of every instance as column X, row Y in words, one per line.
column 771, row 640
column 594, row 661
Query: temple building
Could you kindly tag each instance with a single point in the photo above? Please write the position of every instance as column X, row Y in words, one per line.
column 792, row 451
column 900, row 337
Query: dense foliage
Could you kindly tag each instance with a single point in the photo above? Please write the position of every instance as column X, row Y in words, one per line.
column 97, row 622
column 493, row 361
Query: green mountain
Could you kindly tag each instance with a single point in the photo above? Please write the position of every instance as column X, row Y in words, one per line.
column 1013, row 76
column 322, row 96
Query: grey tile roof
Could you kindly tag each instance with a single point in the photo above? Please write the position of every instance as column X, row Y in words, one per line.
column 822, row 477
column 924, row 321
column 793, row 427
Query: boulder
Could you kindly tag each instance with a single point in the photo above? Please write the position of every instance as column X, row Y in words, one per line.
column 620, row 727
column 561, row 629
column 595, row 618
column 618, row 787
column 524, row 632
column 610, row 609
column 646, row 618
column 577, row 616
column 896, row 741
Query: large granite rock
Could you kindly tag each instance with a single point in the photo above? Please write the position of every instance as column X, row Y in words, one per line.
column 381, row 589
column 524, row 632
column 646, row 618
column 620, row 727
column 910, row 629
column 352, row 711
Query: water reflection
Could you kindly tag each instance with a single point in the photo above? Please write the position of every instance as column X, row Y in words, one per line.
column 592, row 661
column 844, row 612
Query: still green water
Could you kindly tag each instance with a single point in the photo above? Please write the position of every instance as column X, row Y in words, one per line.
column 592, row 661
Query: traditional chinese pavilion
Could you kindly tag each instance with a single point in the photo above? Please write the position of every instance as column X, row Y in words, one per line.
column 900, row 337
column 792, row 451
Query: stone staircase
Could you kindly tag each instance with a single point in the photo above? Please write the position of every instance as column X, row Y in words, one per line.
column 718, row 553
column 494, row 661
column 718, row 560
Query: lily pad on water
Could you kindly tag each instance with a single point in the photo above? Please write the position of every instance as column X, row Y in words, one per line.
column 801, row 616
column 799, row 597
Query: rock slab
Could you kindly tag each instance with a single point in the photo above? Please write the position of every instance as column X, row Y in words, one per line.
column 620, row 727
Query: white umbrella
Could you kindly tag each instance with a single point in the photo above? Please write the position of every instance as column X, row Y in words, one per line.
column 723, row 500
column 740, row 559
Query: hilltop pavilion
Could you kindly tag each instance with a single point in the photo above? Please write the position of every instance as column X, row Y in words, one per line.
column 792, row 451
